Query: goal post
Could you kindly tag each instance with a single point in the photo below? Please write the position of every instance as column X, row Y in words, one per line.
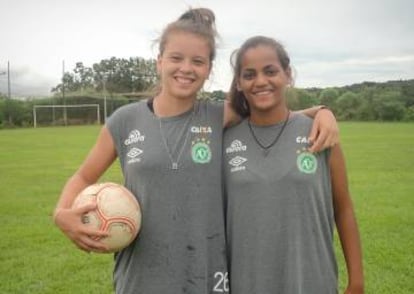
column 67, row 118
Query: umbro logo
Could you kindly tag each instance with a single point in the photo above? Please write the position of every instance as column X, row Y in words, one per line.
column 238, row 160
column 134, row 152
column 237, row 163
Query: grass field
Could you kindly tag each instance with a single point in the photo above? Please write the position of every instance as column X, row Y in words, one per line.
column 36, row 258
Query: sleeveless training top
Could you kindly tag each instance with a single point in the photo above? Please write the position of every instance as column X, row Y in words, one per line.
column 181, row 245
column 280, row 217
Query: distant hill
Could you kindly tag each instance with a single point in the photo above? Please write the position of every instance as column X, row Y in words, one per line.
column 395, row 84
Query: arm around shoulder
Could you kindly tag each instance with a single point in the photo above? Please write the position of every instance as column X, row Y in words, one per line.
column 325, row 129
column 312, row 111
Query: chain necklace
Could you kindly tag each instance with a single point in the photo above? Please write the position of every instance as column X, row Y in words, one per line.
column 174, row 163
column 266, row 149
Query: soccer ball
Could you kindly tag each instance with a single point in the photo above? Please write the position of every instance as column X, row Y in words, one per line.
column 117, row 212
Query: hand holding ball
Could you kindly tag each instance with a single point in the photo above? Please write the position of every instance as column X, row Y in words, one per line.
column 117, row 212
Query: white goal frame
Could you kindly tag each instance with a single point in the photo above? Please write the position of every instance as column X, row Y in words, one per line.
column 35, row 107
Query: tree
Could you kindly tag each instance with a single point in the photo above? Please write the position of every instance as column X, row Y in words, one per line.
column 388, row 106
column 366, row 111
column 218, row 95
column 68, row 82
column 114, row 75
column 306, row 98
column 83, row 77
column 300, row 98
column 409, row 114
column 125, row 75
column 407, row 93
column 14, row 113
column 292, row 99
column 347, row 106
column 328, row 97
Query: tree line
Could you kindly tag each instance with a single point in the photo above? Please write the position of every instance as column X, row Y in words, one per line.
column 367, row 101
column 121, row 81
column 115, row 75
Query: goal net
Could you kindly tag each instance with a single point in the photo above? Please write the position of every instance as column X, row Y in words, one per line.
column 63, row 115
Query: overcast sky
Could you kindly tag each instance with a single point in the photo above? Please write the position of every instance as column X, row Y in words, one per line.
column 330, row 42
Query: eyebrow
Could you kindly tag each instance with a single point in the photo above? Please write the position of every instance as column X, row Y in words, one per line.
column 266, row 67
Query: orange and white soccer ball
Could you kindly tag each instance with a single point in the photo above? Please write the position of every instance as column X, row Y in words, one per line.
column 117, row 212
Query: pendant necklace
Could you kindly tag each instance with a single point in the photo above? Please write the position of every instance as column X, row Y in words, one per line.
column 174, row 163
column 266, row 149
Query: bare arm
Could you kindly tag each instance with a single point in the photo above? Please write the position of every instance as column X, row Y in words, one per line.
column 311, row 111
column 101, row 156
column 346, row 222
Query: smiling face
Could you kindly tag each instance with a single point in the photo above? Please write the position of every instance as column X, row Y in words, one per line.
column 262, row 79
column 184, row 65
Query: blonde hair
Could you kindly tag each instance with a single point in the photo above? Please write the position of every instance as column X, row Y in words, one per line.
column 198, row 21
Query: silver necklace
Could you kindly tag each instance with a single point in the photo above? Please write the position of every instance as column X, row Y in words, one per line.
column 174, row 163
column 266, row 149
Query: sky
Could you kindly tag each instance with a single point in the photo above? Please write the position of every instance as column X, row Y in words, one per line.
column 330, row 42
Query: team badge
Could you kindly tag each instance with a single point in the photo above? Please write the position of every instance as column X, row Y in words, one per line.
column 201, row 152
column 307, row 163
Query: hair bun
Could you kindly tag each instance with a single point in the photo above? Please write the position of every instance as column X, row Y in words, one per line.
column 197, row 21
column 199, row 15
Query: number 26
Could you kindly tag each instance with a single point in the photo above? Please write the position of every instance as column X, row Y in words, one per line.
column 222, row 285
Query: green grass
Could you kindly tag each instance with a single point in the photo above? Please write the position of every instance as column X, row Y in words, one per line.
column 35, row 163
column 380, row 165
column 34, row 256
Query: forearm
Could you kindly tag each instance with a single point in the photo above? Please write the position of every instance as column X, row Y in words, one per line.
column 101, row 156
column 312, row 111
column 72, row 188
column 351, row 246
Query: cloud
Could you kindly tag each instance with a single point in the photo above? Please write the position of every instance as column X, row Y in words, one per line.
column 25, row 82
column 330, row 42
column 355, row 70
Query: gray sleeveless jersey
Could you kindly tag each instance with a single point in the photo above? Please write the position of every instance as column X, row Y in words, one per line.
column 181, row 245
column 280, row 212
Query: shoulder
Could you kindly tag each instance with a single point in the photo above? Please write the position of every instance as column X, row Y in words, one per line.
column 134, row 106
column 237, row 128
column 127, row 110
column 125, row 115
